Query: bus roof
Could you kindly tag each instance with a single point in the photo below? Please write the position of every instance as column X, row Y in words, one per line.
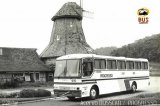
column 79, row 56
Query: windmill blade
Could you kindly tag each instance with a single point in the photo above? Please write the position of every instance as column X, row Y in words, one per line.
column 81, row 3
column 88, row 14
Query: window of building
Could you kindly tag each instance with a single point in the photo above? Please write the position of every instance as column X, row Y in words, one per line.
column 111, row 64
column 137, row 65
column 100, row 64
column 50, row 74
column 37, row 76
column 1, row 51
column 130, row 65
column 144, row 65
column 121, row 64
column 50, row 77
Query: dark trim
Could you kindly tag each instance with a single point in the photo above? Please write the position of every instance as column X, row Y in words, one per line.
column 127, row 84
column 129, row 78
column 75, row 93
column 74, row 83
column 49, row 57
column 121, row 70
column 66, row 16
column 140, row 79
column 68, row 77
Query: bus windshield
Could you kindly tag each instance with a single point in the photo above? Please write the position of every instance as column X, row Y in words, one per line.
column 67, row 68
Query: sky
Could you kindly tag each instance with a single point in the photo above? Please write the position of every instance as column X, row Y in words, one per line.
column 27, row 23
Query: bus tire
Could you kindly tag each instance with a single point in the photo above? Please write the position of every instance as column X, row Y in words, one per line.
column 134, row 87
column 93, row 93
column 71, row 98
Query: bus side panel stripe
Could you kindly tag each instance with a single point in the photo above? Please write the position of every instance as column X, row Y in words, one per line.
column 130, row 78
column 127, row 84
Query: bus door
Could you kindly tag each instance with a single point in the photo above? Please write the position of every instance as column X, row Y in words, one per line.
column 87, row 67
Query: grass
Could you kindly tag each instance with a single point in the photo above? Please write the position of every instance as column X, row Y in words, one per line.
column 146, row 99
column 149, row 95
column 14, row 100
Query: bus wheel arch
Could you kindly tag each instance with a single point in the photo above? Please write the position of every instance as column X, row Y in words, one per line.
column 134, row 86
column 94, row 92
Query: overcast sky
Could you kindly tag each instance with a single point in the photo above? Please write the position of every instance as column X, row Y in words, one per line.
column 27, row 23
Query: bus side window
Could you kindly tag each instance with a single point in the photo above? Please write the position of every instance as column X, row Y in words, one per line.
column 144, row 65
column 121, row 64
column 111, row 64
column 137, row 65
column 130, row 65
column 100, row 64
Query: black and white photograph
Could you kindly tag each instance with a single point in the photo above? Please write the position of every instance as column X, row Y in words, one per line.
column 79, row 53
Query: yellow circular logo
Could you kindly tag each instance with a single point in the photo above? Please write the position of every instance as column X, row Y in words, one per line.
column 143, row 11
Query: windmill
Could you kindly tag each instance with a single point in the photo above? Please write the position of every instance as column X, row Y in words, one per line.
column 67, row 35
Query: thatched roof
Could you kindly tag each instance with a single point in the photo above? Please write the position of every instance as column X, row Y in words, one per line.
column 60, row 49
column 20, row 59
column 69, row 10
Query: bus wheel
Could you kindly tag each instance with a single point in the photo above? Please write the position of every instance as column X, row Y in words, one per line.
column 93, row 93
column 134, row 87
column 71, row 98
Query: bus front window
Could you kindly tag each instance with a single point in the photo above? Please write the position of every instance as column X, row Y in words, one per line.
column 72, row 68
column 67, row 68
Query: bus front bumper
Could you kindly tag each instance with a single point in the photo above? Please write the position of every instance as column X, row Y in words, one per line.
column 67, row 93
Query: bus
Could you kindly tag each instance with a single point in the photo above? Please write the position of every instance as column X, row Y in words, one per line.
column 91, row 75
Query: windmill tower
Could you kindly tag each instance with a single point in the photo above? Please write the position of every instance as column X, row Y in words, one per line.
column 67, row 34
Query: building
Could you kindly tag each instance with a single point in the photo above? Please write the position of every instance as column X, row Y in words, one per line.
column 22, row 64
column 67, row 35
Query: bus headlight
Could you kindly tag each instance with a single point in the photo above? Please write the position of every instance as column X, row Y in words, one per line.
column 78, row 88
column 75, row 88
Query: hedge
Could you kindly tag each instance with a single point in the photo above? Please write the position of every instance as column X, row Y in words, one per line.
column 29, row 93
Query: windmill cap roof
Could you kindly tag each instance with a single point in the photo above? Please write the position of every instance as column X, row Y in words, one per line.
column 69, row 10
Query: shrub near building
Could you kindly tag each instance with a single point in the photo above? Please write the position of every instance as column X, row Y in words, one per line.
column 29, row 93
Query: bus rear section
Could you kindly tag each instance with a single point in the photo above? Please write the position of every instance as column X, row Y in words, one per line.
column 89, row 75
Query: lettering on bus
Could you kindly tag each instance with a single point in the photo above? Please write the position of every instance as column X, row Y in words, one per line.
column 106, row 75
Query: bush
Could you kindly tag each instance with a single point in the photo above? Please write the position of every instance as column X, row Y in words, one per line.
column 10, row 95
column 29, row 93
column 2, row 95
column 43, row 93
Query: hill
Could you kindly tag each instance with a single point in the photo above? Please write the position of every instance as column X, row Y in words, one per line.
column 148, row 47
column 105, row 50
